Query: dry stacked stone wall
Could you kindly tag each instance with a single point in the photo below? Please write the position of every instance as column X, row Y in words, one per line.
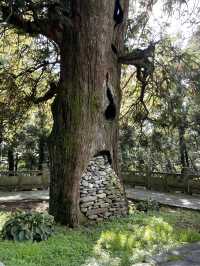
column 101, row 193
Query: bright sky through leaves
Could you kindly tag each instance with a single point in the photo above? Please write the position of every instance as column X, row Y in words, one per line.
column 181, row 23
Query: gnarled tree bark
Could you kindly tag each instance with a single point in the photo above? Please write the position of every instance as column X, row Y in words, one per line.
column 81, row 130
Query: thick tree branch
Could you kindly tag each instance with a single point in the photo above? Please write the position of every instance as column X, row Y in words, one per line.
column 50, row 22
column 19, row 22
column 138, row 57
column 143, row 60
column 47, row 96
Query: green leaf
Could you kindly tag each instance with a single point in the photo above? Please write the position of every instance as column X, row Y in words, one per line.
column 21, row 236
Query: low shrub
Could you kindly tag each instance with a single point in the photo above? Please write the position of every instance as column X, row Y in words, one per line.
column 28, row 226
column 149, row 205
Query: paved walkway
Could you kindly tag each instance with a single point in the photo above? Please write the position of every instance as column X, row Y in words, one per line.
column 176, row 200
column 23, row 196
column 188, row 255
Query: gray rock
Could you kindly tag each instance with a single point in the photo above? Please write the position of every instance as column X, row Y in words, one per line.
column 92, row 217
column 112, row 209
column 90, row 185
column 102, row 173
column 96, row 211
column 99, row 219
column 82, row 210
column 105, row 204
column 88, row 198
column 109, row 170
column 116, row 205
column 108, row 200
column 101, row 196
column 98, row 182
column 85, row 183
column 107, row 214
column 84, row 191
column 86, row 204
column 111, row 196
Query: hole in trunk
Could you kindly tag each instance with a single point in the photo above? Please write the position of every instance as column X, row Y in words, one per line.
column 110, row 112
column 106, row 154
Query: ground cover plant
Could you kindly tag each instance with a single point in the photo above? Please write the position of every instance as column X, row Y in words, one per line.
column 33, row 226
column 119, row 242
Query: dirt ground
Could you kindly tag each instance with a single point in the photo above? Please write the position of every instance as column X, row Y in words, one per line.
column 25, row 205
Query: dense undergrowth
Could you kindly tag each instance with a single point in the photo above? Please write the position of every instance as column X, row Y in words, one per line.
column 119, row 242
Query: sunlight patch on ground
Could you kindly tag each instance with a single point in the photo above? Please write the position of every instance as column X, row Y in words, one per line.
column 3, row 218
column 133, row 243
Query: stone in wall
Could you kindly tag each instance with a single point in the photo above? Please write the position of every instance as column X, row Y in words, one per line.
column 101, row 193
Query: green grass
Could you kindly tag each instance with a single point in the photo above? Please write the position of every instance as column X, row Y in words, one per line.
column 120, row 242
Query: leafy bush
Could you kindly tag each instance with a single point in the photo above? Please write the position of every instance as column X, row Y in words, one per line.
column 149, row 205
column 28, row 226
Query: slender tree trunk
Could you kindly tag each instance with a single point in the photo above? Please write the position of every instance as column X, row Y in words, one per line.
column 16, row 162
column 42, row 138
column 11, row 162
column 85, row 123
column 1, row 131
column 184, row 156
column 41, row 153
column 183, row 147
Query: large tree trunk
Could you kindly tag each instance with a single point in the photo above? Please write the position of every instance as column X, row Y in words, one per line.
column 83, row 126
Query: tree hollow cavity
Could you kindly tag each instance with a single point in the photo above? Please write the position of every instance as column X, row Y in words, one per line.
column 111, row 111
column 106, row 154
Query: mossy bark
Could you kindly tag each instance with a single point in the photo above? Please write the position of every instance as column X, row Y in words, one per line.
column 80, row 130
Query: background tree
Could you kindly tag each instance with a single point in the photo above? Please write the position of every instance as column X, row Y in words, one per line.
column 162, row 126
column 27, row 142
